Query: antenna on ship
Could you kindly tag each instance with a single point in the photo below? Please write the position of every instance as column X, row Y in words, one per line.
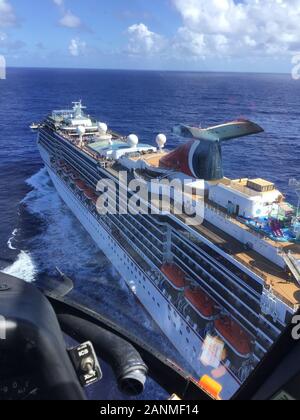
column 81, row 132
column 133, row 140
column 102, row 128
column 78, row 108
column 161, row 141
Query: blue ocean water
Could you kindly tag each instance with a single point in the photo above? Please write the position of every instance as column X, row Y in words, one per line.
column 38, row 233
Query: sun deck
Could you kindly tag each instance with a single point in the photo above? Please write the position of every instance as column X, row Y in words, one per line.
column 152, row 159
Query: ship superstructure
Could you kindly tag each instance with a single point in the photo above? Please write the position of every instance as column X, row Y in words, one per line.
column 223, row 290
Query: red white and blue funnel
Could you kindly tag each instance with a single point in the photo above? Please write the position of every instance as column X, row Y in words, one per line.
column 201, row 157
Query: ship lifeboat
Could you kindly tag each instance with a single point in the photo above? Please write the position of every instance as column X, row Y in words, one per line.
column 175, row 276
column 74, row 176
column 95, row 199
column 234, row 336
column 202, row 303
column 80, row 185
column 89, row 193
column 67, row 169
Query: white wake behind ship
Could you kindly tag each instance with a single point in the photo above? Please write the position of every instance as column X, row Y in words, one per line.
column 222, row 290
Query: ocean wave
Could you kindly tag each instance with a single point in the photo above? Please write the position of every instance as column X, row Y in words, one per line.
column 11, row 240
column 23, row 268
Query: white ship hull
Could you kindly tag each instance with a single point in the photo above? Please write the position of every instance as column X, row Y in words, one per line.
column 166, row 316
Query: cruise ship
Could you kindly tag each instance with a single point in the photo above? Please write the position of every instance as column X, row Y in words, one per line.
column 221, row 287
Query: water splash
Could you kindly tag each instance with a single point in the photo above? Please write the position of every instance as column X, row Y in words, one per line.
column 12, row 239
column 23, row 268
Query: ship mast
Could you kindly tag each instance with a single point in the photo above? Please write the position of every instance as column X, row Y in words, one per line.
column 78, row 108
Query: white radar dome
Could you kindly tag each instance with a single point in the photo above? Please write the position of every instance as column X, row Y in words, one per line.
column 133, row 140
column 161, row 141
column 81, row 130
column 102, row 127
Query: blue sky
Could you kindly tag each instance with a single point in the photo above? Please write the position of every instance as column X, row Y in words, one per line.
column 217, row 35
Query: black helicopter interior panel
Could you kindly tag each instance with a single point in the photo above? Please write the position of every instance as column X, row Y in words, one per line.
column 35, row 363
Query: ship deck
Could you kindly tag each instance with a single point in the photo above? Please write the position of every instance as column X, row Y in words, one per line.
column 153, row 159
column 281, row 246
column 281, row 283
column 277, row 279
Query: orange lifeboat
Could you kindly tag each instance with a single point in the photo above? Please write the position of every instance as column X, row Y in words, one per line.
column 89, row 193
column 234, row 335
column 201, row 302
column 95, row 198
column 80, row 185
column 175, row 275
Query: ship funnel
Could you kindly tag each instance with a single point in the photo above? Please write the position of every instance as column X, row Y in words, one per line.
column 201, row 157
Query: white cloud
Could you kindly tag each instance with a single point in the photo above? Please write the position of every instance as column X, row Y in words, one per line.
column 8, row 45
column 237, row 29
column 7, row 15
column 77, row 47
column 143, row 41
column 69, row 20
column 3, row 36
column 7, row 19
column 225, row 29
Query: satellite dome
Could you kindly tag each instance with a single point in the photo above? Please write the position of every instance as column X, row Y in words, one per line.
column 80, row 130
column 102, row 127
column 133, row 140
column 161, row 141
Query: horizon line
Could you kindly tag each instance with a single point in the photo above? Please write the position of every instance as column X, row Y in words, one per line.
column 146, row 70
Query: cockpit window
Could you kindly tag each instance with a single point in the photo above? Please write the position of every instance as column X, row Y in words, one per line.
column 212, row 286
